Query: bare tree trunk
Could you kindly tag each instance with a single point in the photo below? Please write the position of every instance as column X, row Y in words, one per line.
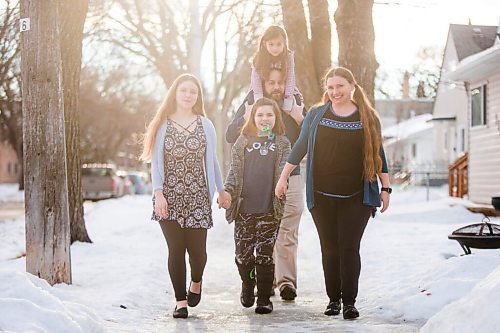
column 294, row 20
column 321, row 36
column 312, row 57
column 46, row 190
column 71, row 52
column 357, row 41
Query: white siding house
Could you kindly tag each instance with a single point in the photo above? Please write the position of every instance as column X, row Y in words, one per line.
column 450, row 107
column 407, row 144
column 480, row 74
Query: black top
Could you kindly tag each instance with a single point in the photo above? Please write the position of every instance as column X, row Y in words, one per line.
column 292, row 130
column 338, row 151
column 258, row 175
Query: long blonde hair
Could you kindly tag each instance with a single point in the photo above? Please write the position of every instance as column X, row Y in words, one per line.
column 168, row 107
column 372, row 162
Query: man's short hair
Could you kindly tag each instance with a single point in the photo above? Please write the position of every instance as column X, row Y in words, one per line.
column 268, row 73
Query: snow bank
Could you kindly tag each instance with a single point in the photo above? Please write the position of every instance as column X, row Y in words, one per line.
column 30, row 304
column 476, row 312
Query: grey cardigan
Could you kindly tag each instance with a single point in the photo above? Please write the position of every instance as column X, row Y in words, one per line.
column 212, row 168
column 234, row 179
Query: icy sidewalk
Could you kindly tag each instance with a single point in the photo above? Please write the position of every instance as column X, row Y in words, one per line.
column 120, row 282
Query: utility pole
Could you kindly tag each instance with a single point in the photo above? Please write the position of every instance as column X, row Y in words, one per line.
column 46, row 190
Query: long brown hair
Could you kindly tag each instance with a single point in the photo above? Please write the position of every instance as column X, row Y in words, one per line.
column 372, row 162
column 262, row 59
column 166, row 108
column 250, row 127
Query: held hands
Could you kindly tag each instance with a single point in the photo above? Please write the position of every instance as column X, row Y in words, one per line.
column 160, row 208
column 385, row 198
column 224, row 200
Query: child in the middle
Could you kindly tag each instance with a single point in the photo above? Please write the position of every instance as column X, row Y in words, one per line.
column 257, row 158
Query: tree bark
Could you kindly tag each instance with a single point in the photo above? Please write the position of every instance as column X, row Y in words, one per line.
column 46, row 190
column 71, row 51
column 307, row 80
column 312, row 56
column 357, row 42
column 321, row 36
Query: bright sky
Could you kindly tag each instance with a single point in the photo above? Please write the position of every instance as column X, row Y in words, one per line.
column 403, row 26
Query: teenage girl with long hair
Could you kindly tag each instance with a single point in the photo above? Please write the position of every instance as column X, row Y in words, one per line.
column 180, row 143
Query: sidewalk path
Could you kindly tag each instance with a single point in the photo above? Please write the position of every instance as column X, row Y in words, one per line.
column 11, row 210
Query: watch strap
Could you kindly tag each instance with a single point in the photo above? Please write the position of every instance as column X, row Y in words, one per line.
column 386, row 189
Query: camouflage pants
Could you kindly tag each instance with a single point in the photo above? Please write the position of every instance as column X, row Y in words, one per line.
column 255, row 233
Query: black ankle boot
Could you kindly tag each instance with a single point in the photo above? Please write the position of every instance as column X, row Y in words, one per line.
column 247, row 297
column 265, row 277
column 247, row 274
column 264, row 306
column 350, row 312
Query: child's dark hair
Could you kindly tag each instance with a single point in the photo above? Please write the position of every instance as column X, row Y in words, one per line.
column 250, row 128
column 262, row 59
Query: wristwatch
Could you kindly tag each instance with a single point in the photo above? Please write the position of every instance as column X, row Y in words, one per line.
column 387, row 189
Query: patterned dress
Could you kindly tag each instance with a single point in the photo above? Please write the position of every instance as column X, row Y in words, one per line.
column 185, row 186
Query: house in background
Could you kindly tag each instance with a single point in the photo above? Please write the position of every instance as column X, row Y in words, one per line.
column 479, row 75
column 408, row 148
column 450, row 112
column 10, row 169
column 395, row 110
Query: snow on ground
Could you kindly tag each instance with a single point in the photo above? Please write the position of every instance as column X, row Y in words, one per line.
column 412, row 277
column 10, row 192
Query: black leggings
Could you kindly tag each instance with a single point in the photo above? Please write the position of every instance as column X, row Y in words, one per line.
column 340, row 224
column 178, row 241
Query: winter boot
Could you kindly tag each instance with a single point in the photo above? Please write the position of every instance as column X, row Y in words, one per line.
column 247, row 274
column 265, row 276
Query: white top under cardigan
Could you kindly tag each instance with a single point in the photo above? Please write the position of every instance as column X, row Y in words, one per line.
column 214, row 176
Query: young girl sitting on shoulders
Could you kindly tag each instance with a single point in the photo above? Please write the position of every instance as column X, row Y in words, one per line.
column 257, row 158
column 273, row 53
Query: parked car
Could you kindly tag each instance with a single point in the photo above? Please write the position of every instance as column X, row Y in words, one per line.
column 100, row 181
column 128, row 186
column 141, row 182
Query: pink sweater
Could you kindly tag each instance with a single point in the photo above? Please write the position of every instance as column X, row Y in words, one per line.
column 258, row 91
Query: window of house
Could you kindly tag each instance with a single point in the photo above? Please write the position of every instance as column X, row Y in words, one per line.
column 478, row 106
column 16, row 168
column 9, row 167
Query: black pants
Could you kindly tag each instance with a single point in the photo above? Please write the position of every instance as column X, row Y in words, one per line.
column 178, row 241
column 340, row 224
column 255, row 232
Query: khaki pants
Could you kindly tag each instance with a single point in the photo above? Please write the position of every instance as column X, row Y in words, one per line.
column 285, row 250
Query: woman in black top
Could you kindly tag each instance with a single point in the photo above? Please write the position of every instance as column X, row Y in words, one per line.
column 342, row 139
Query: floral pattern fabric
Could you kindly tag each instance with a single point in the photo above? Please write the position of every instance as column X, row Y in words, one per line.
column 185, row 186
